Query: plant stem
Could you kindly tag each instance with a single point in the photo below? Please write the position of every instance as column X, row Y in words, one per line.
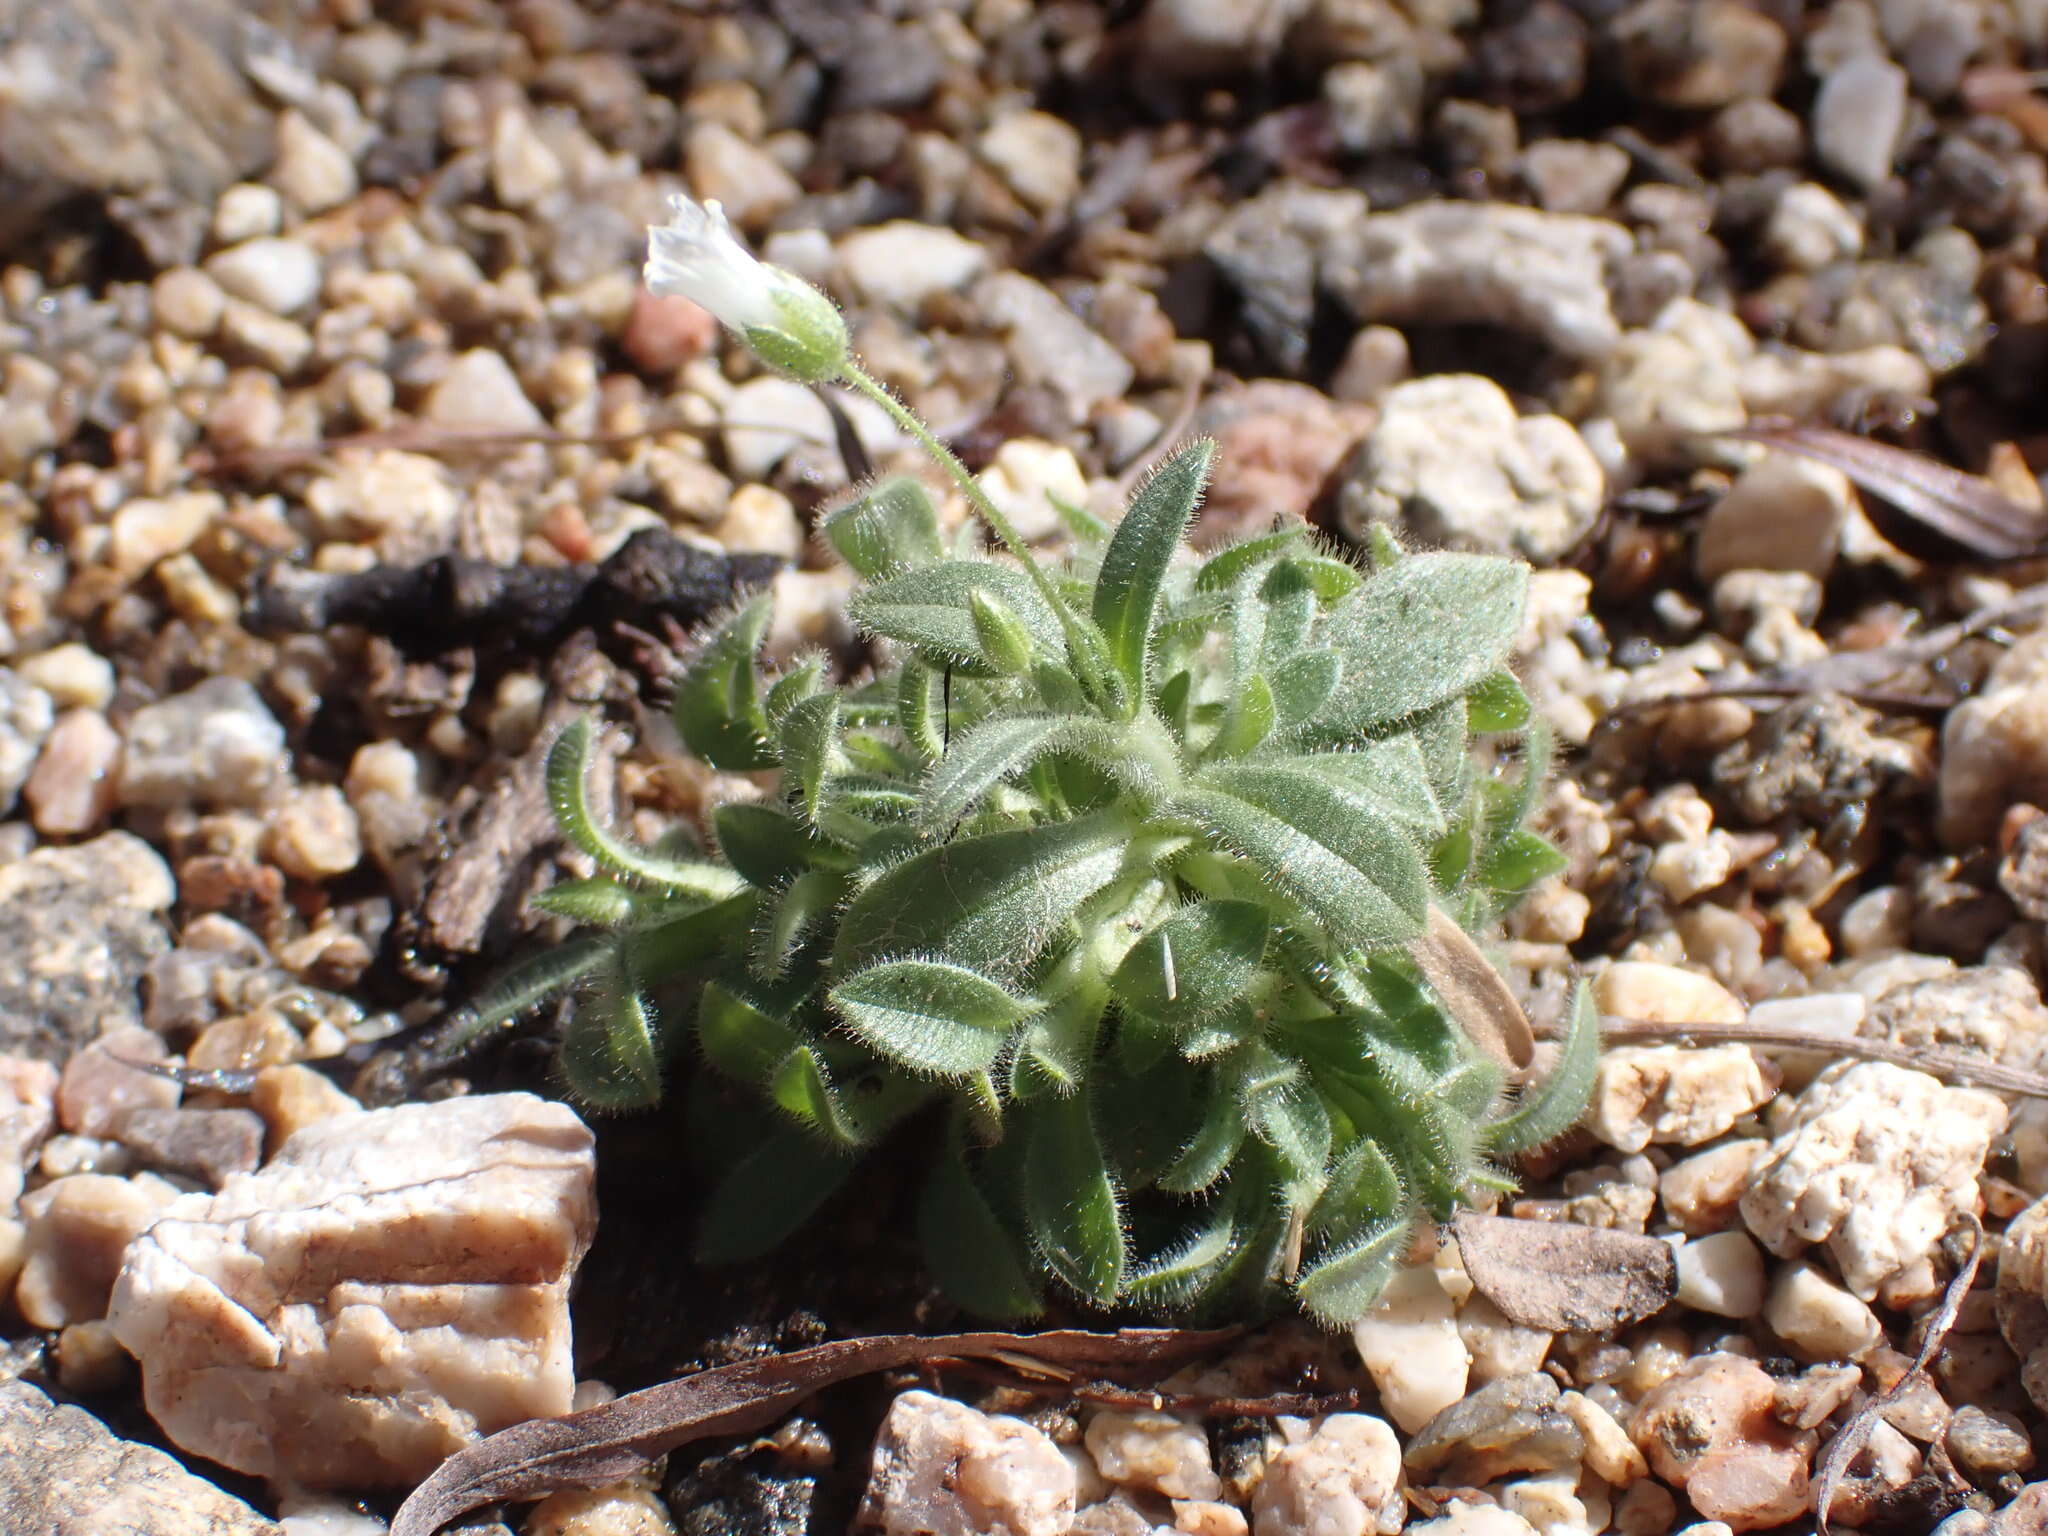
column 970, row 487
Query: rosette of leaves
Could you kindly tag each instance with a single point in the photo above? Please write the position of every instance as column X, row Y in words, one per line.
column 1106, row 881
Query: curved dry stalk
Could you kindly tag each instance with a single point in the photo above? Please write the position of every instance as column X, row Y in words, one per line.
column 1959, row 1067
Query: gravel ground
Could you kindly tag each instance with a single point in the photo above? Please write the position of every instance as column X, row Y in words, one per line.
column 342, row 459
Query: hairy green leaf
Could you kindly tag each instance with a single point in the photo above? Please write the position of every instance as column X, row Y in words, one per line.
column 763, row 842
column 1070, row 1201
column 1555, row 1107
column 1342, row 1287
column 568, row 775
column 1360, row 878
column 740, row 1039
column 1195, row 964
column 765, row 1196
column 1224, row 569
column 966, row 1246
column 801, row 1088
column 1185, row 1273
column 928, row 610
column 599, row 902
column 609, row 1059
column 1364, row 1188
column 1215, row 1143
column 1301, row 685
column 718, row 707
column 893, row 527
column 990, row 902
column 1421, row 632
column 930, row 1016
column 808, row 738
column 1134, row 566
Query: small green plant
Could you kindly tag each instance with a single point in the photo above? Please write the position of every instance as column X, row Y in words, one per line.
column 1124, row 880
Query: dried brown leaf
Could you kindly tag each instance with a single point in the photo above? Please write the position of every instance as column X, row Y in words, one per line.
column 622, row 1438
column 1468, row 985
column 1565, row 1277
column 1965, row 509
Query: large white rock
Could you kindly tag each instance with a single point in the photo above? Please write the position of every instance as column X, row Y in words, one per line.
column 1877, row 1162
column 1451, row 459
column 390, row 1286
column 1524, row 270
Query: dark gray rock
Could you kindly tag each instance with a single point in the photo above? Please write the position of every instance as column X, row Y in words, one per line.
column 61, row 1470
column 78, row 927
column 1507, row 1426
column 206, row 1144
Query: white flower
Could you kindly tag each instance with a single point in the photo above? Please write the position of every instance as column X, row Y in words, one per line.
column 785, row 321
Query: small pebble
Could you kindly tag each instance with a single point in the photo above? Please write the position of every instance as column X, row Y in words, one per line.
column 187, row 302
column 1858, row 116
column 78, row 1230
column 74, row 676
column 246, row 211
column 621, row 1510
column 313, row 833
column 1988, row 1442
column 279, row 275
column 311, row 170
column 72, row 789
column 98, row 1089
column 1155, row 1452
column 90, row 1360
column 1818, row 1318
column 1722, row 1273
column 292, row 1097
column 215, row 744
column 1411, row 1346
column 1345, row 1477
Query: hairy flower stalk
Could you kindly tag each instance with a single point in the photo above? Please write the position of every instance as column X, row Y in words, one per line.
column 1142, row 884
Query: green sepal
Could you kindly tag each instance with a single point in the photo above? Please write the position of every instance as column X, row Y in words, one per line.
column 1005, row 642
column 1497, row 703
column 928, row 609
